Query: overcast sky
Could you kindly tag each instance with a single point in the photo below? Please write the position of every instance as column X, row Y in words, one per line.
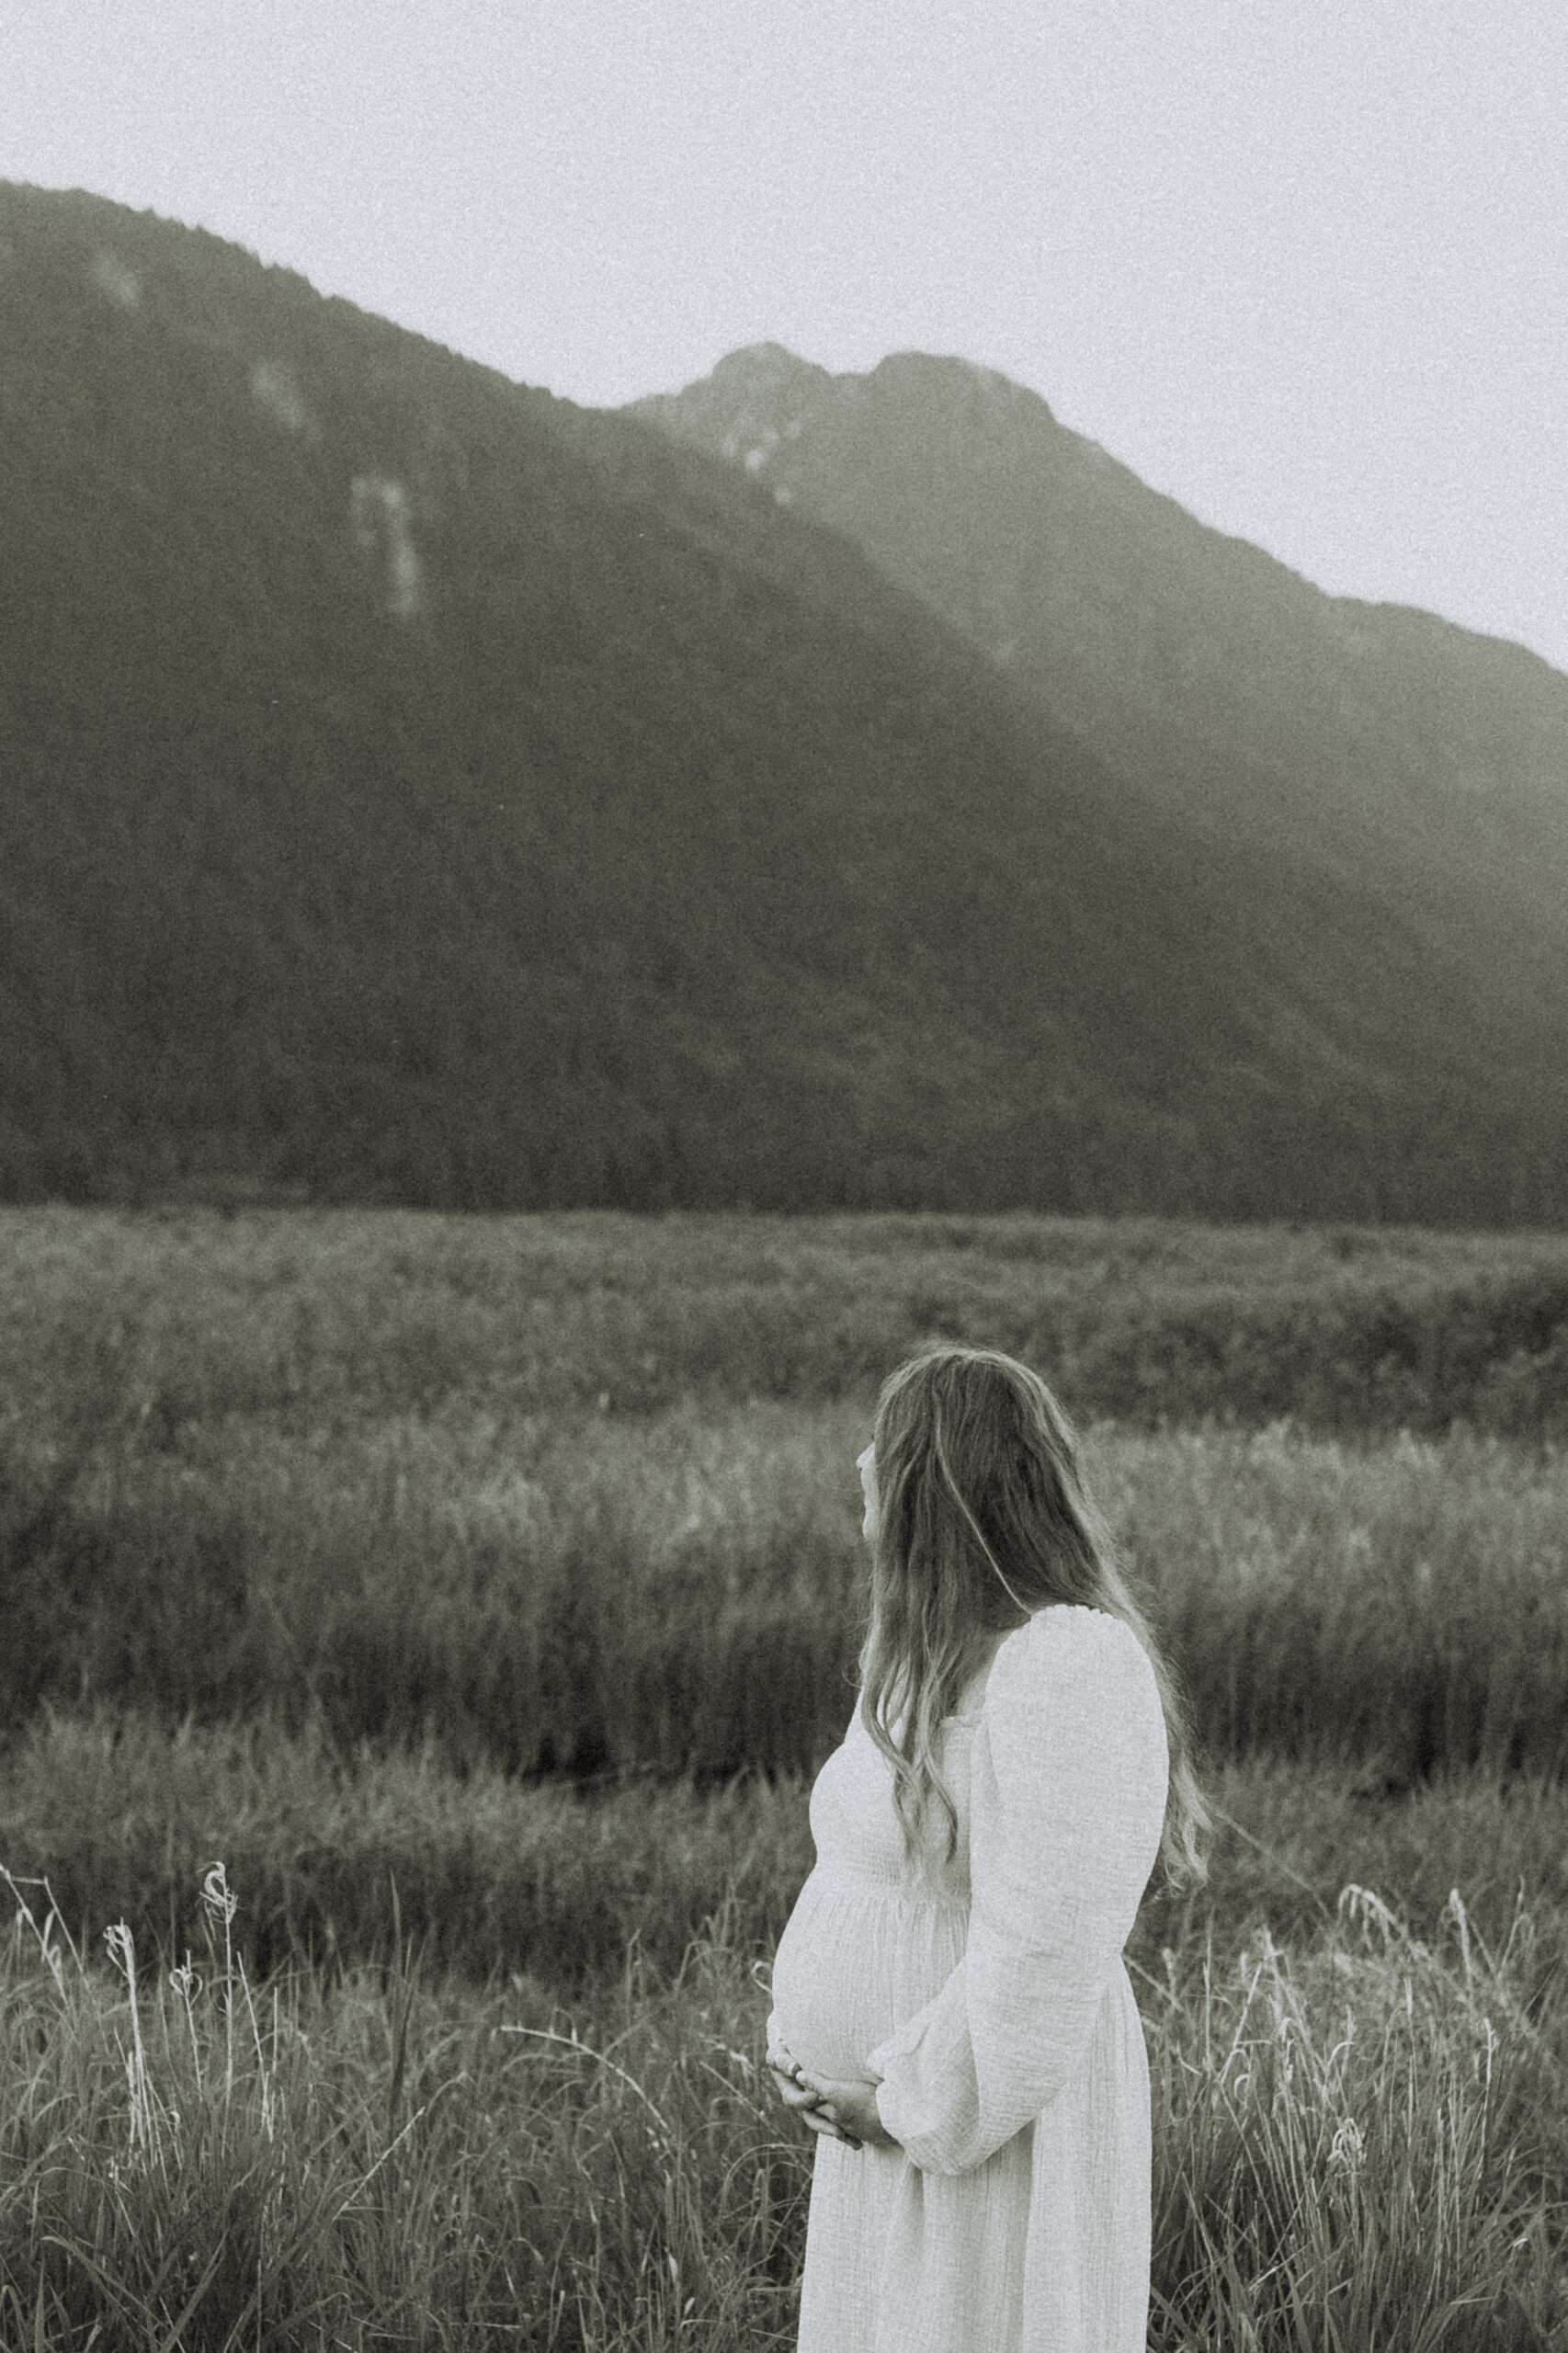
column 1303, row 264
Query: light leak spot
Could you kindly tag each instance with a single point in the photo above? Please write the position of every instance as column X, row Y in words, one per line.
column 380, row 513
column 115, row 279
column 275, row 388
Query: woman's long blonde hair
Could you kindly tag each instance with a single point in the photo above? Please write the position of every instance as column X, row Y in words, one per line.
column 985, row 1518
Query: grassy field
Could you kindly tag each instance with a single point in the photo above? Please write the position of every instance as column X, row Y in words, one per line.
column 519, row 2099
column 484, row 1592
column 312, row 1319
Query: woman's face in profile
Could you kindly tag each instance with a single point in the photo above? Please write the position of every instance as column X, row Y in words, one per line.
column 865, row 1463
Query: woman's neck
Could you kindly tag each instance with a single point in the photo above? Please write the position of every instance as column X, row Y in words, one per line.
column 982, row 1652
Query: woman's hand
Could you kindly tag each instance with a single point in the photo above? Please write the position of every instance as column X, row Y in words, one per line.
column 799, row 2092
column 850, row 2108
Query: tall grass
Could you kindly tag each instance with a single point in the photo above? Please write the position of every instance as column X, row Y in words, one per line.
column 191, row 2160
column 1405, row 1602
column 1355, row 2149
column 484, row 1874
column 311, row 1319
column 1351, row 2151
column 573, row 1494
column 686, row 1591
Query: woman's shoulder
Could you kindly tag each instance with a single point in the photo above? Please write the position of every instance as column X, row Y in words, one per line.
column 1069, row 1647
column 1071, row 1625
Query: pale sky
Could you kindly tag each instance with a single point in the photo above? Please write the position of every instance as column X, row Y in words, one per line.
column 1303, row 264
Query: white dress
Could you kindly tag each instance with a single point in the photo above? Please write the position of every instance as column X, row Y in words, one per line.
column 989, row 1997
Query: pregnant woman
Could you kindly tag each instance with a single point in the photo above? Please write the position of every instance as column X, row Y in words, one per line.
column 951, row 2013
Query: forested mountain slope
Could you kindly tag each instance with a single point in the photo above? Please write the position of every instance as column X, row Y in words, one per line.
column 415, row 788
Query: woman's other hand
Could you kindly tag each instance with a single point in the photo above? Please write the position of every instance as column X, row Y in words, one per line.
column 796, row 2092
column 785, row 2069
column 850, row 2108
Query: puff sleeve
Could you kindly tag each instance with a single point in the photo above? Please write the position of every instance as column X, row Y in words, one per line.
column 1067, row 1804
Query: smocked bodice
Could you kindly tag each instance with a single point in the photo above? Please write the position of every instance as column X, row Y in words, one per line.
column 876, row 1930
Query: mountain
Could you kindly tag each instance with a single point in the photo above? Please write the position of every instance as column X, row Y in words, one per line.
column 418, row 789
column 1326, row 730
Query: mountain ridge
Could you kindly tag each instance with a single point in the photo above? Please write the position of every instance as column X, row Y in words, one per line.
column 1165, row 641
column 765, row 364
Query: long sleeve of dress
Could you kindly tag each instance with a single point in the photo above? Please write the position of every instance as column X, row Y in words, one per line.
column 1068, row 1801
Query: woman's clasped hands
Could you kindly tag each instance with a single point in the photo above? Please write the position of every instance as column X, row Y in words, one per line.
column 839, row 2110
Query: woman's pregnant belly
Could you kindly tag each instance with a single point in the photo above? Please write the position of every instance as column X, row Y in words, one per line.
column 854, row 1962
